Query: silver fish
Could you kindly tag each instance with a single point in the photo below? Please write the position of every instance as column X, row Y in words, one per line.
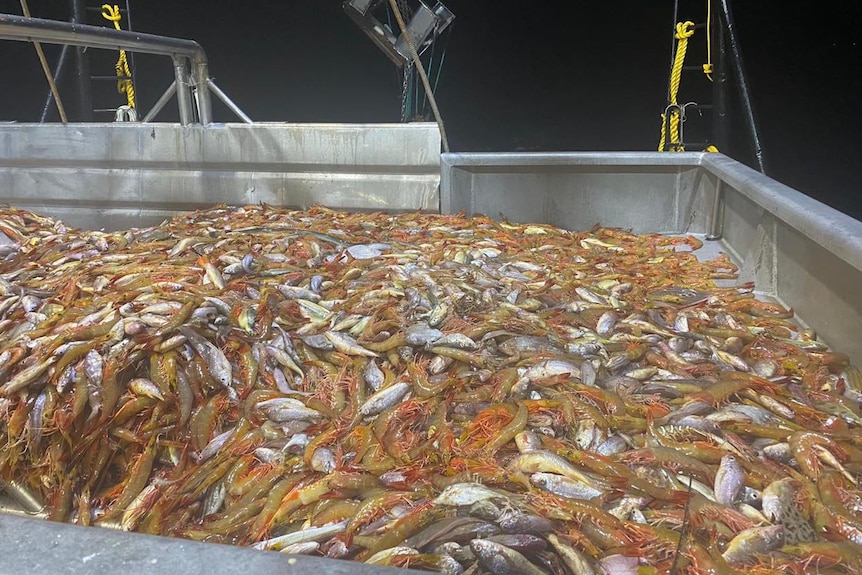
column 606, row 323
column 729, row 480
column 294, row 292
column 323, row 460
column 283, row 409
column 384, row 399
column 464, row 494
column 302, row 536
column 215, row 444
column 421, row 334
column 501, row 560
column 94, row 366
column 218, row 365
column 456, row 340
column 527, row 441
column 563, row 486
column 373, row 375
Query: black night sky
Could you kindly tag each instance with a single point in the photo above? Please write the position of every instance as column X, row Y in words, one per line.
column 525, row 76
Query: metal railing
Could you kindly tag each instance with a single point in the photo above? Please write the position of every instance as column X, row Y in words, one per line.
column 192, row 82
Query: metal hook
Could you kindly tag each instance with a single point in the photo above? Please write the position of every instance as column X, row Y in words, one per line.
column 126, row 114
column 669, row 146
column 686, row 105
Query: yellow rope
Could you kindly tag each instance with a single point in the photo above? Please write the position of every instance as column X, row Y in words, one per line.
column 684, row 31
column 124, row 73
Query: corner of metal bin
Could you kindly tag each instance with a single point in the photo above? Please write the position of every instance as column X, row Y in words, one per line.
column 48, row 548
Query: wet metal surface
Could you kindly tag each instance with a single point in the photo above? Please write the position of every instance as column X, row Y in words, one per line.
column 44, row 547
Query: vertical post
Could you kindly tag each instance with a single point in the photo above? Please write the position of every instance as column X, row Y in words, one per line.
column 720, row 111
column 131, row 55
column 184, row 93
column 82, row 68
column 742, row 84
column 672, row 43
column 201, row 75
column 715, row 219
column 58, row 72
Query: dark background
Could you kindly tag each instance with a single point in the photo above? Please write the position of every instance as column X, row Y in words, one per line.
column 526, row 76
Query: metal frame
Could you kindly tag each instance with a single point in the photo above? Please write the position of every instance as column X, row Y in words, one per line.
column 736, row 61
column 422, row 23
column 190, row 62
column 797, row 250
column 116, row 175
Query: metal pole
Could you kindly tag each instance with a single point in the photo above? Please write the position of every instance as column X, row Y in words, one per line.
column 715, row 220
column 82, row 69
column 742, row 84
column 161, row 102
column 55, row 32
column 720, row 111
column 184, row 92
column 14, row 27
column 673, row 42
column 45, row 68
column 58, row 72
column 131, row 54
column 200, row 77
column 228, row 102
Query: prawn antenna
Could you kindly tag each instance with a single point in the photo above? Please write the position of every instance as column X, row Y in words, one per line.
column 683, row 532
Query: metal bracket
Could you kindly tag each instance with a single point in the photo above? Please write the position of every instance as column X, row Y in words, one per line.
column 126, row 114
column 681, row 110
column 716, row 221
column 425, row 20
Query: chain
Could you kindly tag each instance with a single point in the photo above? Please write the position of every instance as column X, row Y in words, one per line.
column 405, row 90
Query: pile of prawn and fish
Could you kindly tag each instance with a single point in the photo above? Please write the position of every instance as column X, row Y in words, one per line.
column 444, row 393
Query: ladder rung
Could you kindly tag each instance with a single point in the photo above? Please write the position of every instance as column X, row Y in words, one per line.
column 99, row 9
column 105, row 110
column 701, row 145
column 110, row 77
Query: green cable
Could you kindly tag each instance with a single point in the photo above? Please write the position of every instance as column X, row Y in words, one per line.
column 430, row 69
column 439, row 70
column 443, row 56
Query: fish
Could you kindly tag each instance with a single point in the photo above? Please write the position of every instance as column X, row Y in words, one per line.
column 729, row 480
column 752, row 541
column 501, row 560
column 565, row 487
column 347, row 345
column 384, row 399
column 442, row 392
column 301, row 536
column 780, row 506
column 465, row 494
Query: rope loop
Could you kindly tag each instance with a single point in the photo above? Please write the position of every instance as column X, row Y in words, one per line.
column 684, row 30
column 112, row 13
column 124, row 73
